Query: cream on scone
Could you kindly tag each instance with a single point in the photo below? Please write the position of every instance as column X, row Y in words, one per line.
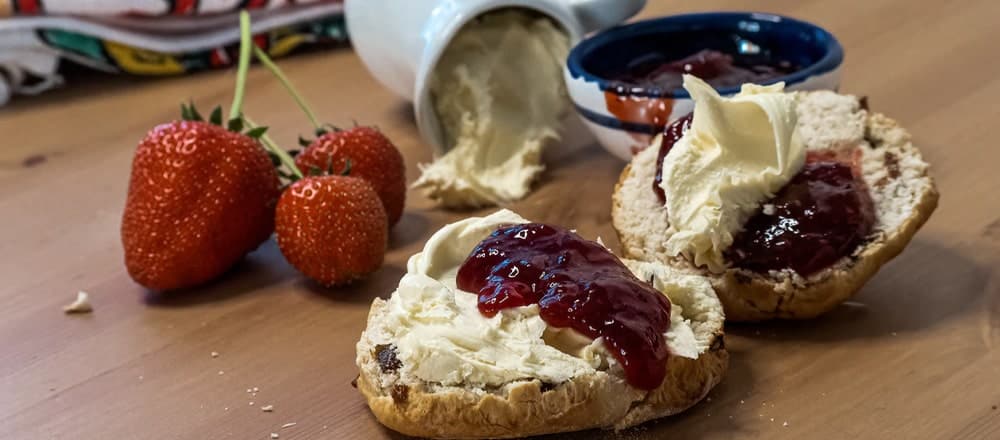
column 434, row 364
column 729, row 197
column 737, row 153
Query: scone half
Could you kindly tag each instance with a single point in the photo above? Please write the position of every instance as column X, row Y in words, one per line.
column 897, row 177
column 461, row 403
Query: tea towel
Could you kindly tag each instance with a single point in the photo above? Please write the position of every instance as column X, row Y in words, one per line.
column 148, row 37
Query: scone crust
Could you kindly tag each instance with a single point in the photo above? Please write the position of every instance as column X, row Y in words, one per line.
column 599, row 400
column 749, row 296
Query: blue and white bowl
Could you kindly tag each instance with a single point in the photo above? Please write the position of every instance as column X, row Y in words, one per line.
column 624, row 118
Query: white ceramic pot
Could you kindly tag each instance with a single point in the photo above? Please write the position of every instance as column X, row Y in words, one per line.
column 401, row 41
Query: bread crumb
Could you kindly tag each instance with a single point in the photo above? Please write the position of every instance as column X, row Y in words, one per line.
column 80, row 305
column 221, row 372
column 249, row 390
column 785, row 424
column 772, row 419
column 267, row 408
column 894, row 333
column 274, row 435
column 140, row 377
column 225, row 409
column 255, row 389
column 289, row 425
column 741, row 401
column 251, row 403
column 215, row 354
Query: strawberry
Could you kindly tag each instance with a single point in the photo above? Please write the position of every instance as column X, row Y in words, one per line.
column 332, row 228
column 199, row 199
column 200, row 196
column 372, row 157
column 364, row 150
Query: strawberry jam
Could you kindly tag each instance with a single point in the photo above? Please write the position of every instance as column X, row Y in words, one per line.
column 578, row 284
column 718, row 69
column 671, row 134
column 823, row 214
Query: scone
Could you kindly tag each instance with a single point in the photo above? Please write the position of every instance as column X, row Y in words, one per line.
column 443, row 361
column 831, row 127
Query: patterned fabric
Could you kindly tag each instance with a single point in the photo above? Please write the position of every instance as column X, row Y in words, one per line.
column 137, row 8
column 110, row 55
column 148, row 37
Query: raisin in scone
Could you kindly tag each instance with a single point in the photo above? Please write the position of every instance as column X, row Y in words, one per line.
column 503, row 328
column 839, row 192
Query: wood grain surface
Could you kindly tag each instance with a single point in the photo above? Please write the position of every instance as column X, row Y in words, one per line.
column 917, row 355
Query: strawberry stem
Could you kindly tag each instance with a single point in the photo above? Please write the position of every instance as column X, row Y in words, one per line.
column 243, row 66
column 273, row 147
column 235, row 112
column 276, row 71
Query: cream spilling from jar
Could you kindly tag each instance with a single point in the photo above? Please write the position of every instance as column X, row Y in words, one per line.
column 499, row 95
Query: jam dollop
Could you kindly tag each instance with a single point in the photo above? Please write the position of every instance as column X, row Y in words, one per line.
column 577, row 284
column 717, row 68
column 823, row 214
column 671, row 134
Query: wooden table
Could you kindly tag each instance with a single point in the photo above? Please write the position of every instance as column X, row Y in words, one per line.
column 916, row 356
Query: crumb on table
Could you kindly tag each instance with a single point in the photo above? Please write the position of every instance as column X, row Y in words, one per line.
column 80, row 305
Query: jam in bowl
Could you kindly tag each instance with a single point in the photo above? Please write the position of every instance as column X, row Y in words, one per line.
column 625, row 81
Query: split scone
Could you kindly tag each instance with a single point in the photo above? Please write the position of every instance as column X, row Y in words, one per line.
column 787, row 201
column 503, row 328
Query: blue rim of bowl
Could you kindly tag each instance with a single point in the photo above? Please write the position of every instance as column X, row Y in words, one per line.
column 830, row 61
